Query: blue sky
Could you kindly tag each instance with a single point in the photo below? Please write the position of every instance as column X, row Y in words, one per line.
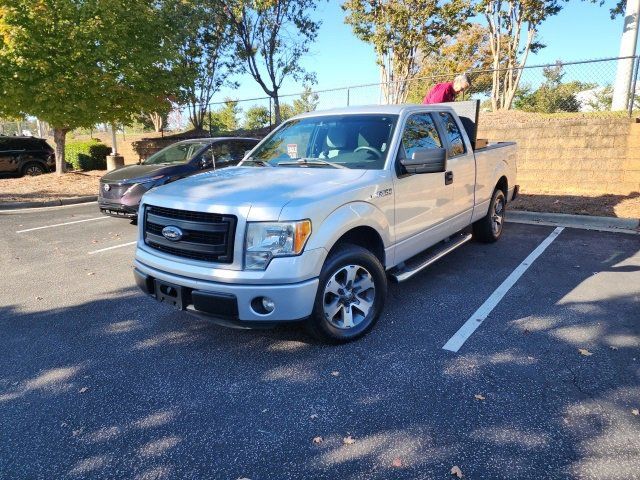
column 580, row 31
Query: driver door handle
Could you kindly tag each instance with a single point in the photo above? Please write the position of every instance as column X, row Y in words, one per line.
column 448, row 177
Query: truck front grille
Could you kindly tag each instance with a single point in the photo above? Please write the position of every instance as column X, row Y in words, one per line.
column 208, row 237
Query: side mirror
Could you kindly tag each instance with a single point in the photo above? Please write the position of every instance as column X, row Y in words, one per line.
column 426, row 160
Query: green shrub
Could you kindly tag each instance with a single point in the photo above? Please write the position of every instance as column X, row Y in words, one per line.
column 87, row 154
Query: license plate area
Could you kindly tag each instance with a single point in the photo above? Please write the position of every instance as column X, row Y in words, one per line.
column 170, row 294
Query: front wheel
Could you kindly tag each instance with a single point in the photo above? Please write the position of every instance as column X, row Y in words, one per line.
column 489, row 228
column 351, row 294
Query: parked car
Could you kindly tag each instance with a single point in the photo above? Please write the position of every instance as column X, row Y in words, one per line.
column 121, row 189
column 26, row 156
column 321, row 214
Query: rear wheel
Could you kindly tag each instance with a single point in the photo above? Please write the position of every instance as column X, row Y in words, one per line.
column 489, row 228
column 33, row 169
column 350, row 297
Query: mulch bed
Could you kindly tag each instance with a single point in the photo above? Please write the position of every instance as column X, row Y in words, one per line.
column 622, row 206
column 50, row 186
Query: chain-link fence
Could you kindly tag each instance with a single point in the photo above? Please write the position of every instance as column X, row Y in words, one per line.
column 578, row 87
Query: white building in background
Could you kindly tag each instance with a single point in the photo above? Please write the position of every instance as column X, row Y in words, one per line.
column 599, row 99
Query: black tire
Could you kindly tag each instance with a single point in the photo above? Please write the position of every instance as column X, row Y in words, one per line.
column 134, row 220
column 33, row 169
column 348, row 260
column 489, row 228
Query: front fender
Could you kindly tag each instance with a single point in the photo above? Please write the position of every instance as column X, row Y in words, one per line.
column 348, row 217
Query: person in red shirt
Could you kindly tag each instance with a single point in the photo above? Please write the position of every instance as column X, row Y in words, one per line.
column 447, row 92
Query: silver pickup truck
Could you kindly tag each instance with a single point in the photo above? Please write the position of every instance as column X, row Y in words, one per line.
column 321, row 214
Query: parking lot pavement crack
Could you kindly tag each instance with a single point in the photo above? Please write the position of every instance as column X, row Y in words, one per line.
column 575, row 381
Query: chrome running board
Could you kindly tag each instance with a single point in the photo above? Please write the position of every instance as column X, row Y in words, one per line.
column 421, row 261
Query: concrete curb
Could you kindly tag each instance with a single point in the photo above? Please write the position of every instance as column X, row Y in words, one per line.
column 587, row 222
column 50, row 203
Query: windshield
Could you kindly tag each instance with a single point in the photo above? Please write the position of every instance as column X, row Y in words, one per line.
column 351, row 141
column 177, row 153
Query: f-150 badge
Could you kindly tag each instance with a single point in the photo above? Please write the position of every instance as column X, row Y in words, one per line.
column 382, row 193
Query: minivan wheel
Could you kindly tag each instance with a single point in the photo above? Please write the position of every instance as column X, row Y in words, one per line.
column 489, row 228
column 351, row 294
column 33, row 169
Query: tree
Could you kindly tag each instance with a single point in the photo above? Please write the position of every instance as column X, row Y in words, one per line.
column 601, row 99
column 468, row 52
column 271, row 37
column 76, row 63
column 618, row 9
column 224, row 119
column 553, row 95
column 256, row 117
column 402, row 32
column 513, row 28
column 205, row 56
column 307, row 102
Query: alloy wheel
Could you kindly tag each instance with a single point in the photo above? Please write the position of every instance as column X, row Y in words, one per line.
column 348, row 296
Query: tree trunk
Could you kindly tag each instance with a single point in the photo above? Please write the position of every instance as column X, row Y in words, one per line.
column 276, row 108
column 59, row 137
column 157, row 121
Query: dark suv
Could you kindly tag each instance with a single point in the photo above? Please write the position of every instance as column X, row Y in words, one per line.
column 25, row 156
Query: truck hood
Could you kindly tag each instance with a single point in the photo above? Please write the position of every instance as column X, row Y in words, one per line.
column 267, row 189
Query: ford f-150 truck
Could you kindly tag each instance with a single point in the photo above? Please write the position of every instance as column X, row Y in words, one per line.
column 321, row 214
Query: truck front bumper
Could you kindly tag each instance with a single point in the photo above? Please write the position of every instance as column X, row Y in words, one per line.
column 231, row 304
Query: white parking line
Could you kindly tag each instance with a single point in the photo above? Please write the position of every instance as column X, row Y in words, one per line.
column 62, row 224
column 111, row 248
column 480, row 315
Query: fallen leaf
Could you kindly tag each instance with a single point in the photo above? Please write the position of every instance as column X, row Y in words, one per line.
column 318, row 440
column 91, row 273
column 397, row 463
column 313, row 416
column 335, row 373
column 455, row 471
column 349, row 440
column 635, row 412
column 83, row 389
column 38, row 298
column 477, row 396
column 585, row 352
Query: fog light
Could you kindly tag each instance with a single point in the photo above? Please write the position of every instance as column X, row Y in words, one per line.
column 263, row 305
column 268, row 304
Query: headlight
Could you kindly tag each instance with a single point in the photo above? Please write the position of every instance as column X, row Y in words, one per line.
column 265, row 241
column 145, row 183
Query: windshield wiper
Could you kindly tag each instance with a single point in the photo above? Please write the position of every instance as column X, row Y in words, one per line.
column 310, row 161
column 262, row 163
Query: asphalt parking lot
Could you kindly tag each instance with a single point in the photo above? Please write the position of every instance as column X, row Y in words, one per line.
column 99, row 381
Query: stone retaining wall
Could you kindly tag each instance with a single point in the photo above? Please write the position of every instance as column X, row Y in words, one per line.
column 570, row 155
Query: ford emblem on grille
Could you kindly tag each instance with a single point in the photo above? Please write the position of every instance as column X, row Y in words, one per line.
column 106, row 187
column 172, row 233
